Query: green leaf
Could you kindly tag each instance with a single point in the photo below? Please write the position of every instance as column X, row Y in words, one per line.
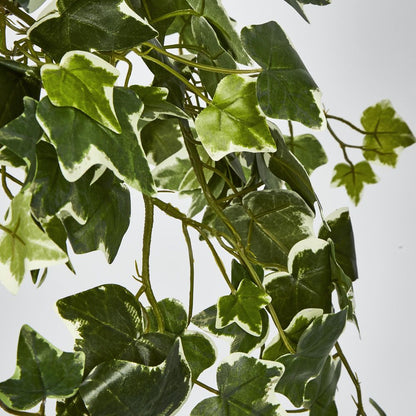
column 285, row 166
column 343, row 237
column 118, row 388
column 102, row 25
column 380, row 411
column 81, row 143
column 307, row 150
column 353, row 178
column 241, row 340
column 42, row 371
column 216, row 15
column 270, row 223
column 16, row 81
column 31, row 5
column 73, row 406
column 311, row 354
column 245, row 387
column 320, row 391
column 212, row 53
column 294, row 331
column 308, row 282
column 108, row 213
column 25, row 246
column 387, row 133
column 174, row 316
column 83, row 81
column 243, row 307
column 240, row 272
column 233, row 121
column 285, row 88
column 298, row 5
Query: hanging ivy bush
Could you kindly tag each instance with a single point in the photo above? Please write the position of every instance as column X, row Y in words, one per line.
column 82, row 136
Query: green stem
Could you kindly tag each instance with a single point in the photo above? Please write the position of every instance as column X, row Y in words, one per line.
column 191, row 270
column 297, row 411
column 4, row 183
column 209, row 68
column 348, row 123
column 12, row 8
column 184, row 12
column 206, row 387
column 174, row 73
column 341, row 145
column 145, row 275
column 354, row 379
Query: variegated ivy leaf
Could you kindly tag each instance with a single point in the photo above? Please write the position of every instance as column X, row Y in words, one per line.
column 80, row 142
column 387, row 133
column 307, row 284
column 243, row 307
column 120, row 388
column 270, row 223
column 245, row 387
column 298, row 5
column 84, row 81
column 312, row 352
column 214, row 12
column 23, row 245
column 42, row 371
column 353, row 178
column 233, row 121
column 285, row 89
column 102, row 25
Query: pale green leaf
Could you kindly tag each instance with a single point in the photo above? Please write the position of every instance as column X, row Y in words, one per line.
column 243, row 307
column 42, row 371
column 353, row 178
column 83, row 81
column 233, row 122
column 285, row 88
column 387, row 133
column 24, row 246
column 80, row 142
column 307, row 284
column 245, row 387
column 270, row 223
column 102, row 25
column 120, row 388
column 307, row 150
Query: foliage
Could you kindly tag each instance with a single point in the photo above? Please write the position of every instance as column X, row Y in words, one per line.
column 203, row 130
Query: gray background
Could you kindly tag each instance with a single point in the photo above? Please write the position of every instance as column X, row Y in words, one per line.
column 359, row 52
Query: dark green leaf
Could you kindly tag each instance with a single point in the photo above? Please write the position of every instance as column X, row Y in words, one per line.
column 387, row 133
column 285, row 88
column 215, row 14
column 174, row 316
column 307, row 150
column 233, row 122
column 81, row 143
column 243, row 308
column 343, row 237
column 270, row 223
column 120, row 388
column 276, row 348
column 16, row 81
column 308, row 282
column 73, row 406
column 380, row 411
column 298, row 5
column 25, row 247
column 245, row 387
column 311, row 354
column 353, row 178
column 285, row 166
column 103, row 25
column 241, row 340
column 212, row 54
column 42, row 371
column 31, row 5
column 240, row 272
column 108, row 213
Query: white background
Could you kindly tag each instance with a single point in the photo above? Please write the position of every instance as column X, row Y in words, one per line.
column 359, row 52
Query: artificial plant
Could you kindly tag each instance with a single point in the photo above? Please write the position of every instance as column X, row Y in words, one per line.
column 81, row 136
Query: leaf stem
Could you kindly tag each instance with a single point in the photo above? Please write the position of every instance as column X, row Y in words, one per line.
column 4, row 183
column 342, row 146
column 145, row 275
column 18, row 12
column 209, row 68
column 184, row 12
column 206, row 387
column 191, row 270
column 354, row 379
column 348, row 123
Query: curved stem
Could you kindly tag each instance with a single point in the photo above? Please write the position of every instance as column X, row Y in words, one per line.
column 184, row 12
column 354, row 379
column 341, row 144
column 145, row 275
column 209, row 68
column 206, row 387
column 191, row 270
column 4, row 183
column 12, row 8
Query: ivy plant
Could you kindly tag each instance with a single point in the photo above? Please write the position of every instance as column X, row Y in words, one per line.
column 216, row 125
